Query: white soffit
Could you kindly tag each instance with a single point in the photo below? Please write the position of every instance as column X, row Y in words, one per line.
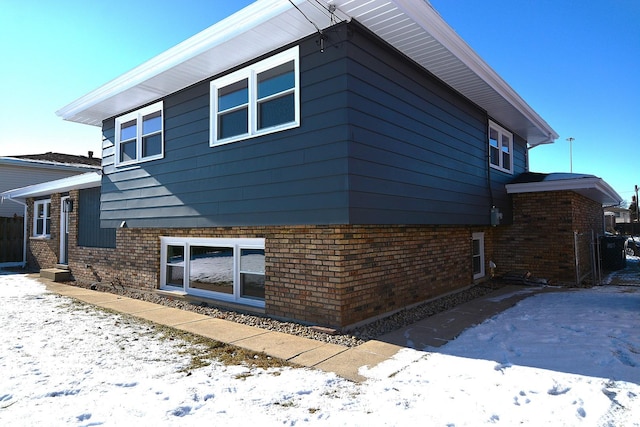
column 411, row 26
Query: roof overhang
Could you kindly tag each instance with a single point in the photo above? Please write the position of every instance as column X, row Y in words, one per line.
column 45, row 164
column 590, row 186
column 413, row 27
column 76, row 182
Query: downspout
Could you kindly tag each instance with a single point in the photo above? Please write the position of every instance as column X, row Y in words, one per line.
column 488, row 145
column 24, row 230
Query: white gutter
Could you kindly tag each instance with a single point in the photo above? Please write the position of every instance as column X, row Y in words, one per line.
column 589, row 186
column 46, row 164
column 75, row 182
column 229, row 28
column 448, row 38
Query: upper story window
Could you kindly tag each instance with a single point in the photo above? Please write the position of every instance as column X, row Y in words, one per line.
column 42, row 218
column 139, row 135
column 257, row 100
column 500, row 148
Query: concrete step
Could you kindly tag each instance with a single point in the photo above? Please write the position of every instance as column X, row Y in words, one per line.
column 56, row 274
column 62, row 266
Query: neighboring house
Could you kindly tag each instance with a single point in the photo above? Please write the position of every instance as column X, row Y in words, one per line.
column 621, row 220
column 25, row 170
column 72, row 223
column 620, row 215
column 328, row 162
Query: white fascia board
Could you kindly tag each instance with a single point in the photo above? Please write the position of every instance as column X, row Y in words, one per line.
column 225, row 30
column 45, row 164
column 432, row 22
column 76, row 182
column 606, row 194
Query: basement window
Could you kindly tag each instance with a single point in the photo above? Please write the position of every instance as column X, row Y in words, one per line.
column 257, row 100
column 231, row 270
column 478, row 255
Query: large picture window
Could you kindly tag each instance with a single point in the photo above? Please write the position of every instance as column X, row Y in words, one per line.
column 257, row 100
column 226, row 269
column 42, row 218
column 139, row 135
column 500, row 148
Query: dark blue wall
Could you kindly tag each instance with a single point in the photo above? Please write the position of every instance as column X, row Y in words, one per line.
column 380, row 142
column 89, row 232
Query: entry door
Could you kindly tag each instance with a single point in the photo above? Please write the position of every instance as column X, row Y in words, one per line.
column 65, row 208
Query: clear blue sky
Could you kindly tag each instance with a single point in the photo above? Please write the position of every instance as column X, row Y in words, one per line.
column 576, row 62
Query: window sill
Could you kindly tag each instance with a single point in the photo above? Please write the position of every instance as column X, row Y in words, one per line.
column 498, row 168
column 246, row 136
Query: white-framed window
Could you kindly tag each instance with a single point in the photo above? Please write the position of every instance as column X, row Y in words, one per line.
column 42, row 218
column 259, row 99
column 140, row 135
column 500, row 148
column 230, row 270
column 478, row 255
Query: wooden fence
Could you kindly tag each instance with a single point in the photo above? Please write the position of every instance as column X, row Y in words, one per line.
column 11, row 239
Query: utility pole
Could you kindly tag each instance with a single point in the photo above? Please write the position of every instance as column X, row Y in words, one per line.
column 570, row 139
column 637, row 210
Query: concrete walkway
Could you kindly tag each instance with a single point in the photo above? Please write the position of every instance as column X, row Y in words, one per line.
column 344, row 361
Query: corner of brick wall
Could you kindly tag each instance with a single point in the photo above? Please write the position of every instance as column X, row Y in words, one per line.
column 541, row 238
column 339, row 276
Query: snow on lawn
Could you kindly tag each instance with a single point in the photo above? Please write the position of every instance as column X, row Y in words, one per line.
column 566, row 358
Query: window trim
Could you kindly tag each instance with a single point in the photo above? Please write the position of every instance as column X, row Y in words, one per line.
column 138, row 115
column 501, row 131
column 250, row 73
column 237, row 244
column 46, row 220
column 480, row 237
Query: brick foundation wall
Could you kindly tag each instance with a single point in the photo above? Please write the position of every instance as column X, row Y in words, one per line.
column 328, row 275
column 343, row 275
column 346, row 274
column 541, row 239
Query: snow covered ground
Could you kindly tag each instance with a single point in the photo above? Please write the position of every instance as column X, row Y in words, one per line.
column 560, row 359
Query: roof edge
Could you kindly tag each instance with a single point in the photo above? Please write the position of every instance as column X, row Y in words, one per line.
column 228, row 28
column 582, row 185
column 46, row 164
column 76, row 182
column 452, row 41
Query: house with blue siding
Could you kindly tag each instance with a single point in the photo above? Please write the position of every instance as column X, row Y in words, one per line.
column 329, row 162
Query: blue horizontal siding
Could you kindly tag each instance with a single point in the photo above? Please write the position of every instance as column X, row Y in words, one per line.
column 381, row 141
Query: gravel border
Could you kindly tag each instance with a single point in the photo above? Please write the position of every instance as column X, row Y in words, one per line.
column 351, row 338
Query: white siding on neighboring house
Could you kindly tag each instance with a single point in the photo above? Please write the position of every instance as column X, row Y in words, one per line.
column 21, row 174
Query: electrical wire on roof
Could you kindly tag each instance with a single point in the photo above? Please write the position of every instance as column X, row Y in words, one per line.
column 328, row 10
column 306, row 17
column 312, row 23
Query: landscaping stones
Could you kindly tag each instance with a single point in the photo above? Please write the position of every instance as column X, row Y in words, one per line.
column 350, row 338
